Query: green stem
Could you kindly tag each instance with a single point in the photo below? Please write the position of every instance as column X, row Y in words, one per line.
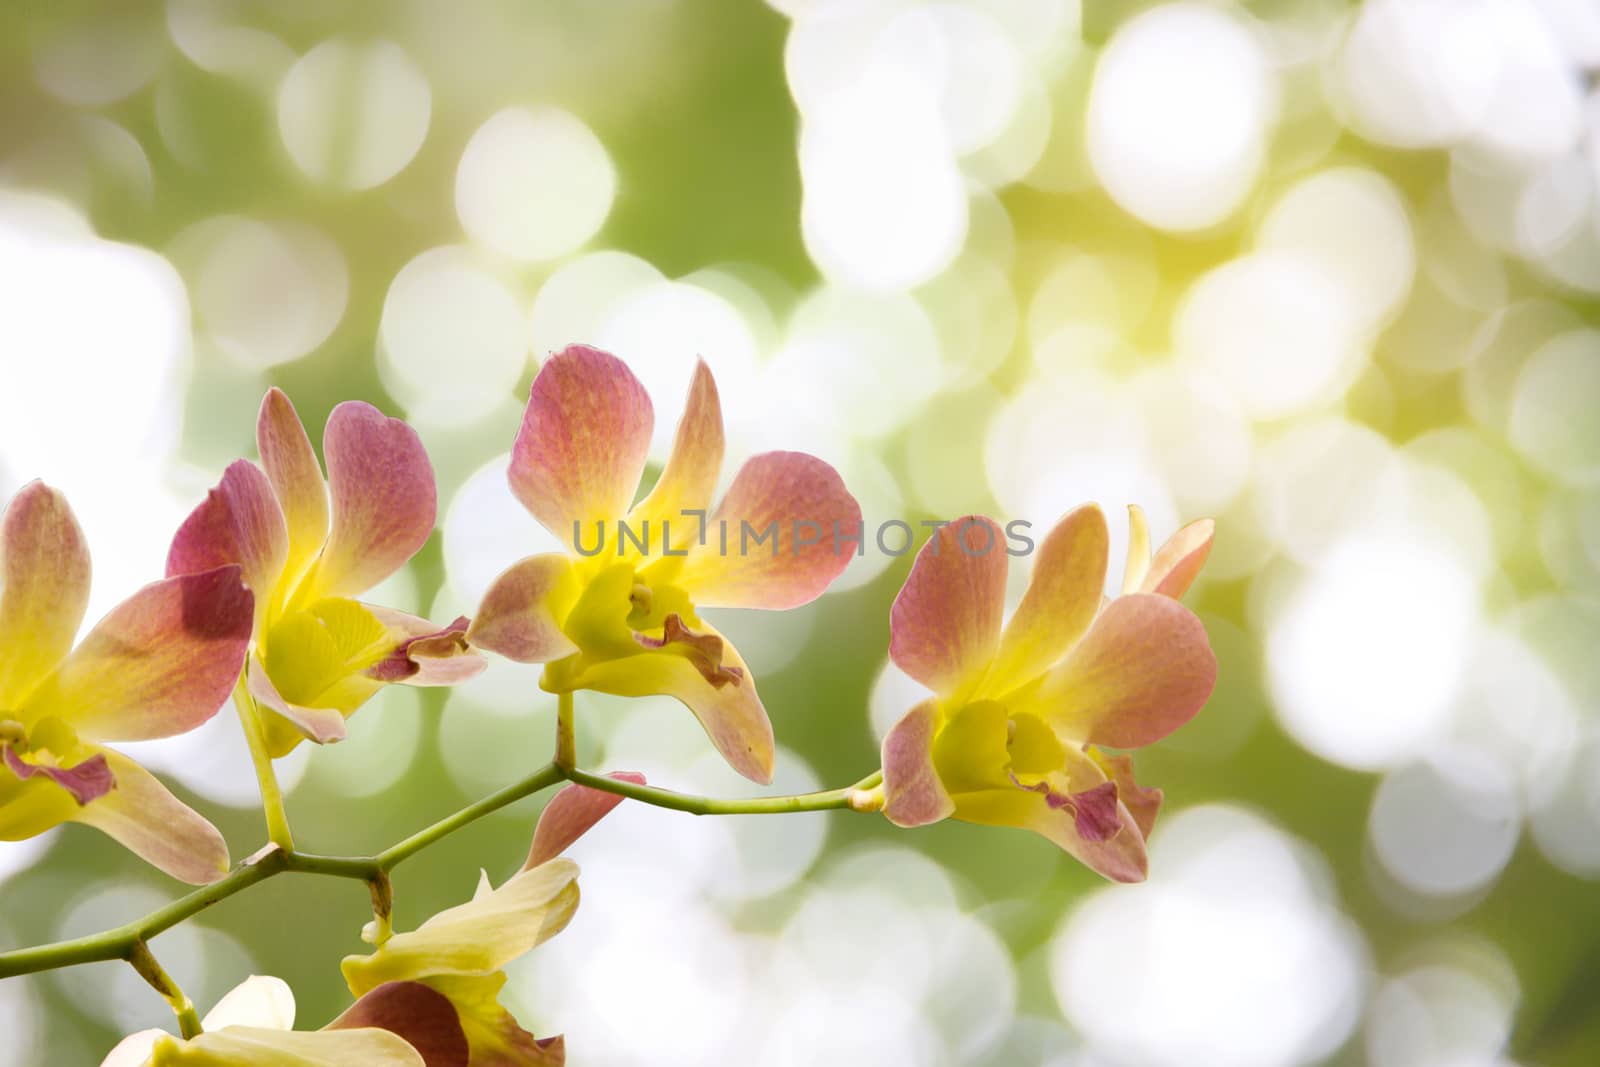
column 566, row 733
column 271, row 796
column 852, row 796
column 151, row 971
column 126, row 941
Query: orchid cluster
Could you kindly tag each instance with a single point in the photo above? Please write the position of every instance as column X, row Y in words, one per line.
column 1028, row 722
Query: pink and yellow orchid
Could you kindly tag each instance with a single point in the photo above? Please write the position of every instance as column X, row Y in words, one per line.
column 317, row 654
column 1012, row 734
column 622, row 618
column 160, row 663
column 253, row 1026
column 438, row 986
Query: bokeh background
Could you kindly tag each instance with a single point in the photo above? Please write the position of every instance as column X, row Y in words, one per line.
column 1325, row 272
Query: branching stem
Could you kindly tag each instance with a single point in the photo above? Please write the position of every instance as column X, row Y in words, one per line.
column 130, row 941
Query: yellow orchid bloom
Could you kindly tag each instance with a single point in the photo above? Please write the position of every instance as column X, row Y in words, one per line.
column 307, row 547
column 1011, row 736
column 252, row 1026
column 160, row 663
column 438, row 986
column 621, row 617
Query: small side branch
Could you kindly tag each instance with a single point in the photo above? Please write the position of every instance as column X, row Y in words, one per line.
column 151, row 971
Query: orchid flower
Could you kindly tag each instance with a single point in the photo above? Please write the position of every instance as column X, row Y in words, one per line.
column 317, row 654
column 455, row 958
column 252, row 1026
column 1012, row 735
column 160, row 663
column 622, row 618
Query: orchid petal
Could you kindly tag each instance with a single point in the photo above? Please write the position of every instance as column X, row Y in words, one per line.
column 32, row 800
column 1069, row 577
column 571, row 813
column 245, row 1046
column 779, row 537
column 913, row 794
column 583, row 442
column 1178, row 562
column 147, row 819
column 384, row 499
column 316, row 669
column 1142, row 803
column 731, row 713
column 690, row 476
column 161, row 663
column 493, row 1034
column 1075, row 807
column 424, row 654
column 296, row 478
column 1137, row 565
column 520, row 614
column 44, row 588
column 945, row 624
column 1143, row 670
column 478, row 937
column 134, row 1050
column 238, row 522
column 423, row 1016
column 260, row 1000
column 320, row 725
column 84, row 781
column 1121, row 857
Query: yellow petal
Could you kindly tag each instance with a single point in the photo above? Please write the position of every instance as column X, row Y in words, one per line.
column 1069, row 577
column 729, row 708
column 478, row 937
column 243, row 1046
column 690, row 476
column 494, row 1036
column 1138, row 561
column 143, row 816
column 44, row 588
column 260, row 1000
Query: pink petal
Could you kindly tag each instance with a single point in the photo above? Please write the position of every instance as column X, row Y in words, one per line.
column 425, row 654
column 147, row 819
column 1120, row 857
column 690, row 476
column 1115, row 851
column 321, row 725
column 1178, row 562
column 1144, row 669
column 699, row 647
column 296, row 478
column 571, row 813
column 583, row 442
column 1069, row 577
column 238, row 522
column 520, row 614
column 160, row 663
column 944, row 627
column 731, row 713
column 44, row 588
column 384, row 499
column 86, row 781
column 1095, row 815
column 787, row 528
column 424, row 1017
column 1143, row 804
column 913, row 794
